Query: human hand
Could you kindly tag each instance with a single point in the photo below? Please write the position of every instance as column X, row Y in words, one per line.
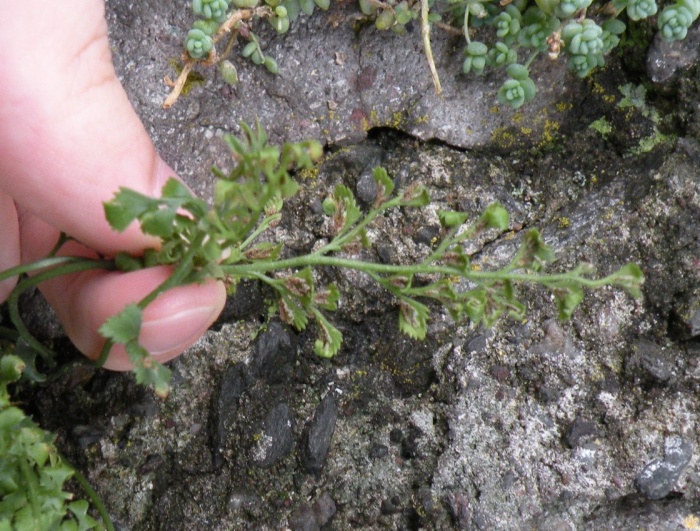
column 69, row 139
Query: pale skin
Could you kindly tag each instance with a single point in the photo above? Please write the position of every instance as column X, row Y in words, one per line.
column 69, row 139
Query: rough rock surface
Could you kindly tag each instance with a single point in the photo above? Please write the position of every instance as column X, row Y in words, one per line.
column 529, row 425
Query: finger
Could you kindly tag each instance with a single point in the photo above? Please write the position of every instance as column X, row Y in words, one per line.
column 171, row 323
column 9, row 242
column 84, row 301
column 68, row 134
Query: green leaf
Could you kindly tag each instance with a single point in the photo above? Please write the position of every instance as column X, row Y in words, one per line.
column 384, row 183
column 533, row 252
column 413, row 318
column 175, row 189
column 125, row 326
column 329, row 206
column 495, row 217
column 149, row 371
column 11, row 368
column 631, row 278
column 264, row 251
column 301, row 285
column 9, row 418
column 347, row 212
column 474, row 304
column 327, row 299
column 415, row 196
column 158, row 222
column 126, row 206
column 125, row 262
column 441, row 290
column 79, row 508
column 28, row 355
column 451, row 218
column 292, row 312
column 567, row 300
column 329, row 337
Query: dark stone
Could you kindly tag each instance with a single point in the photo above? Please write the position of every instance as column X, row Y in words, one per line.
column 579, row 432
column 500, row 373
column 427, row 502
column 303, row 519
column 377, row 451
column 324, row 508
column 656, row 362
column 386, row 253
column 410, row 445
column 391, row 505
column 277, row 437
column 366, row 189
column 686, row 315
column 427, row 235
column 233, row 384
column 508, row 480
column 660, row 475
column 238, row 501
column 548, row 394
column 245, row 301
column 479, row 342
column 666, row 58
column 396, row 435
column 318, row 434
column 274, row 354
column 87, row 435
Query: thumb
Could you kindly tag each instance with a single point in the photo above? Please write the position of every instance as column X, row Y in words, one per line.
column 69, row 139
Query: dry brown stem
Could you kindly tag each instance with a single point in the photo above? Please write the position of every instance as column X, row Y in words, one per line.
column 224, row 29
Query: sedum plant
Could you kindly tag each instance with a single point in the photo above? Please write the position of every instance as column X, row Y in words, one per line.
column 518, row 31
column 510, row 32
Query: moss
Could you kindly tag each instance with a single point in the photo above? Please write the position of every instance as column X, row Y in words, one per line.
column 601, row 126
column 308, row 174
column 647, row 144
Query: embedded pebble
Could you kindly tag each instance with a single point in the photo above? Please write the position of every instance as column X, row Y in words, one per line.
column 660, row 475
column 274, row 354
column 318, row 434
column 276, row 439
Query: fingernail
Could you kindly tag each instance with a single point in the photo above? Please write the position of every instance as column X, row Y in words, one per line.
column 178, row 331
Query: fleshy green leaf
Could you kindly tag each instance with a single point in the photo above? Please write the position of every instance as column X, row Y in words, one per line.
column 79, row 508
column 126, row 262
column 174, row 189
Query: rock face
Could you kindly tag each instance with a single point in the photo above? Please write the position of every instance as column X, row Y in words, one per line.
column 534, row 424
